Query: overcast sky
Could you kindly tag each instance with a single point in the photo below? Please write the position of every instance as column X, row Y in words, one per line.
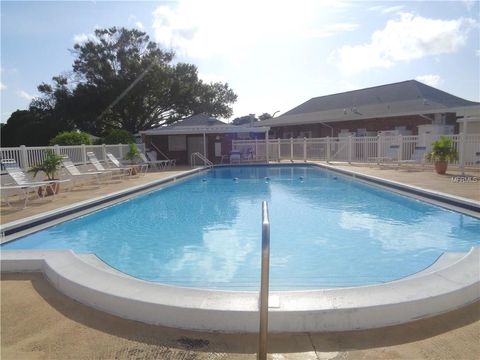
column 273, row 54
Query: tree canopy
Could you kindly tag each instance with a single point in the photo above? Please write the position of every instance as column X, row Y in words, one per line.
column 122, row 80
column 71, row 138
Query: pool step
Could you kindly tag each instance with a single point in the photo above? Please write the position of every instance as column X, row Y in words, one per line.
column 445, row 260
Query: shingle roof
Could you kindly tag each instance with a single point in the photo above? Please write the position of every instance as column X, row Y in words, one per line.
column 199, row 120
column 380, row 101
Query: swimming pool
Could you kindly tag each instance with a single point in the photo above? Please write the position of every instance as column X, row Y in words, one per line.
column 327, row 231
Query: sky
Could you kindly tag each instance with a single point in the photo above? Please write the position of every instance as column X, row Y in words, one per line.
column 275, row 55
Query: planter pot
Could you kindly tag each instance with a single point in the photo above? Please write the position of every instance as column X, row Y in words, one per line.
column 49, row 192
column 441, row 167
column 133, row 170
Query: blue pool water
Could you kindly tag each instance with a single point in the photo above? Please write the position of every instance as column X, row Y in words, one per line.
column 326, row 231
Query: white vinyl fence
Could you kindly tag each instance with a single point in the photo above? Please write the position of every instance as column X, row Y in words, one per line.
column 27, row 157
column 350, row 149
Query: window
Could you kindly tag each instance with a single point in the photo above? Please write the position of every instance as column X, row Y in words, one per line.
column 177, row 143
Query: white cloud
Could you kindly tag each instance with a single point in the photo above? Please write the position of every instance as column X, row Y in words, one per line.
column 214, row 27
column 386, row 9
column 82, row 38
column 139, row 25
column 24, row 95
column 430, row 79
column 2, row 86
column 407, row 38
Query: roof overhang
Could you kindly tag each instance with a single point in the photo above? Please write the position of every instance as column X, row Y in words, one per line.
column 364, row 113
column 205, row 130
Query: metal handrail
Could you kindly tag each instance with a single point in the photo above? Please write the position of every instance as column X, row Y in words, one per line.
column 264, row 287
column 160, row 151
column 206, row 162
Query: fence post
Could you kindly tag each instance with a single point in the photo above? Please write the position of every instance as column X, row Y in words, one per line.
column 291, row 149
column 328, row 149
column 304, row 149
column 278, row 147
column 84, row 154
column 349, row 149
column 104, row 152
column 461, row 151
column 56, row 149
column 379, row 148
column 400, row 148
column 266, row 148
column 120, row 151
column 256, row 148
column 24, row 157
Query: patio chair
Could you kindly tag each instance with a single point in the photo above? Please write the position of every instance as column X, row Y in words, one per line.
column 138, row 168
column 73, row 171
column 159, row 164
column 23, row 185
column 121, row 173
column 152, row 156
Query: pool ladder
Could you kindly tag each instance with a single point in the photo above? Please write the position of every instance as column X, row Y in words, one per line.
column 200, row 156
column 264, row 286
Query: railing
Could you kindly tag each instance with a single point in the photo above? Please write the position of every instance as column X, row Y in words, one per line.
column 264, row 286
column 159, row 151
column 200, row 156
column 27, row 157
column 357, row 149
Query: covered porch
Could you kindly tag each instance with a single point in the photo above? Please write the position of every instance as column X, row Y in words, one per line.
column 213, row 142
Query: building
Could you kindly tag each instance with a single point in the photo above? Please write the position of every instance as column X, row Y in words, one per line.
column 406, row 108
column 198, row 133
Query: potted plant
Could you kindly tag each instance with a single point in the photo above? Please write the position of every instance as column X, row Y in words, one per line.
column 443, row 151
column 49, row 166
column 132, row 153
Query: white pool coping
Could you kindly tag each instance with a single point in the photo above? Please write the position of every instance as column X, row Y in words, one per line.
column 453, row 283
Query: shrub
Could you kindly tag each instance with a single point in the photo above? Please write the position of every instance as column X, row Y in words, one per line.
column 119, row 136
column 71, row 138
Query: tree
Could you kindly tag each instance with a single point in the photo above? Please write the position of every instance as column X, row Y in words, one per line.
column 265, row 116
column 123, row 80
column 118, row 136
column 247, row 119
column 30, row 128
column 71, row 138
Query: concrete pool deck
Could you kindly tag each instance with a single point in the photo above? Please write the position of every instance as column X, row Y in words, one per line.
column 38, row 322
column 473, row 189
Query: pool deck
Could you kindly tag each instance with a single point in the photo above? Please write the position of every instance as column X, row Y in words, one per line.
column 38, row 322
column 55, row 323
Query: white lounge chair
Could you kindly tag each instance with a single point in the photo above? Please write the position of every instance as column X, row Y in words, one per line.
column 121, row 173
column 141, row 168
column 70, row 167
column 24, row 185
column 159, row 164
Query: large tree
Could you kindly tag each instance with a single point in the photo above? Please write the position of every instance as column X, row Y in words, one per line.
column 123, row 80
